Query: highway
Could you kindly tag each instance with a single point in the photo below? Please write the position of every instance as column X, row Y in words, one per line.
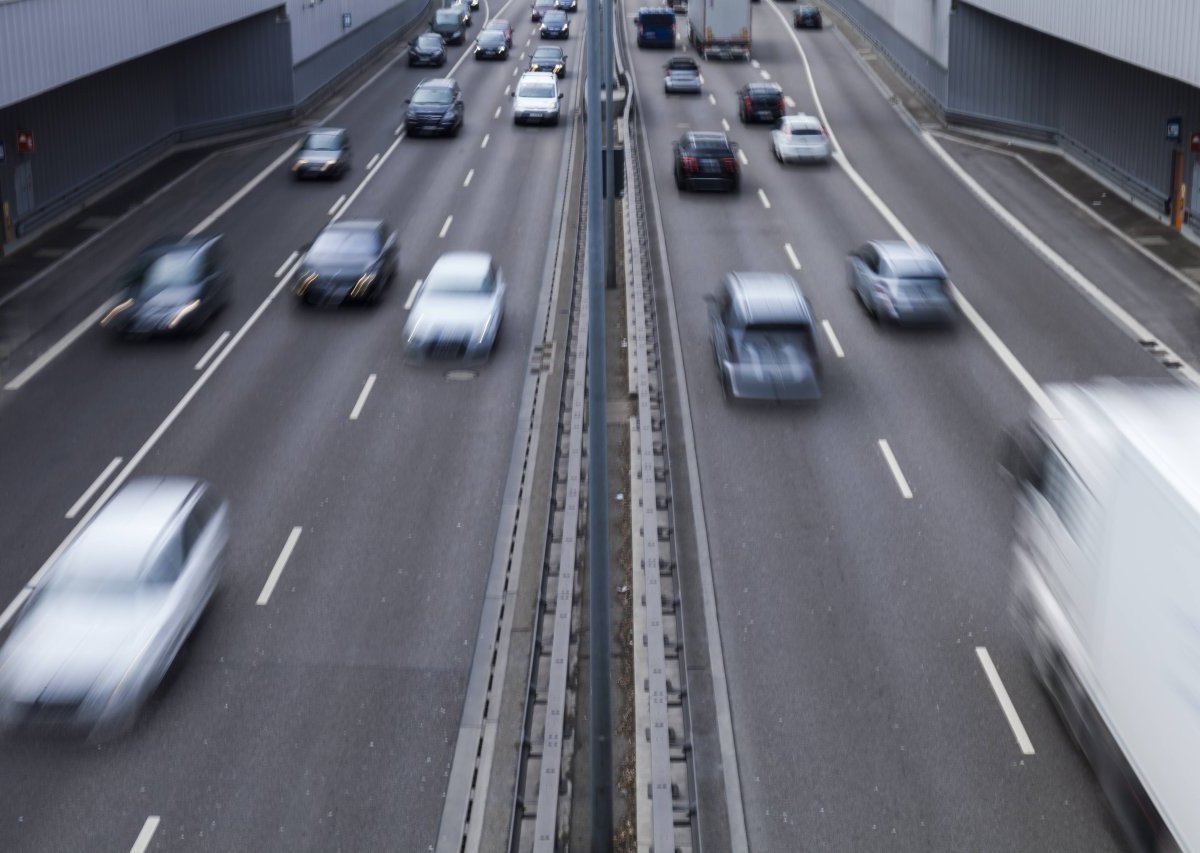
column 316, row 706
column 860, row 544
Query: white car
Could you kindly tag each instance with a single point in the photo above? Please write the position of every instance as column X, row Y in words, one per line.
column 536, row 98
column 458, row 311
column 799, row 139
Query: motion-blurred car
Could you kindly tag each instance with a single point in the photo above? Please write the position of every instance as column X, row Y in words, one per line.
column 706, row 161
column 763, row 340
column 900, row 283
column 566, row 5
column 540, row 8
column 448, row 24
column 800, row 139
column 806, row 18
column 436, row 107
column 324, row 153
column 458, row 310
column 536, row 98
column 464, row 12
column 491, row 44
column 350, row 261
column 503, row 26
column 683, row 76
column 550, row 59
column 555, row 25
column 760, row 102
column 175, row 285
column 99, row 633
column 427, row 49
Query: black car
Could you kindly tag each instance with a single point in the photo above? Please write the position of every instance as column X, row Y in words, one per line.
column 760, row 102
column 427, row 49
column 540, row 8
column 436, row 106
column 555, row 25
column 566, row 5
column 550, row 59
column 491, row 44
column 501, row 25
column 350, row 261
column 706, row 161
column 448, row 24
column 174, row 286
column 324, row 153
column 807, row 17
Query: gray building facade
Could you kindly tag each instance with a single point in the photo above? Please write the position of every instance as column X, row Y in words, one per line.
column 1099, row 77
column 92, row 89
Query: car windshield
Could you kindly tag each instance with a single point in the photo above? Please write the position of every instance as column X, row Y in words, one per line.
column 321, row 142
column 430, row 95
column 179, row 268
column 543, row 55
column 556, row 17
column 498, row 24
column 451, row 280
column 448, row 16
column 429, row 41
column 491, row 37
column 536, row 90
column 342, row 245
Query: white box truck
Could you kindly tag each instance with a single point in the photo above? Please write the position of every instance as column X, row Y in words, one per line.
column 1107, row 591
column 720, row 28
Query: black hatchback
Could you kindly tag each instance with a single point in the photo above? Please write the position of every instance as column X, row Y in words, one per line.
column 706, row 161
column 555, row 25
column 427, row 49
column 436, row 107
column 350, row 261
column 491, row 44
column 448, row 24
column 760, row 102
column 807, row 18
column 174, row 286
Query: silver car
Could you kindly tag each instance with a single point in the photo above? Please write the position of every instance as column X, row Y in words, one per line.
column 536, row 98
column 97, row 636
column 900, row 283
column 763, row 340
column 459, row 308
column 799, row 139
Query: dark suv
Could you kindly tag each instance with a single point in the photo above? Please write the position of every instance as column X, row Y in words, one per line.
column 436, row 106
column 706, row 161
column 760, row 102
column 448, row 24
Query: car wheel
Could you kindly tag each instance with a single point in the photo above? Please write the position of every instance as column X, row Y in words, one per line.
column 726, row 388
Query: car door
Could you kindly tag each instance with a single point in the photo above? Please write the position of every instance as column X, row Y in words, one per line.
column 720, row 309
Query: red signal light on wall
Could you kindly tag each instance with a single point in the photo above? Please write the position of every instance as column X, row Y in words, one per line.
column 24, row 141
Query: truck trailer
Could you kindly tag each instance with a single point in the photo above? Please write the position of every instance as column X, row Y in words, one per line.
column 1107, row 591
column 720, row 28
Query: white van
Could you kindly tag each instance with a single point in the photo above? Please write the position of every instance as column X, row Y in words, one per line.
column 536, row 98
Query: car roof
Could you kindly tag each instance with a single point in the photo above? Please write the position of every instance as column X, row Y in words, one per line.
column 539, row 77
column 707, row 137
column 463, row 263
column 764, row 87
column 763, row 296
column 313, row 130
column 352, row 225
column 548, row 48
column 437, row 83
column 656, row 10
column 906, row 260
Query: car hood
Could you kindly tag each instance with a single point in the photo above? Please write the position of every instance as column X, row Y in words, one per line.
column 447, row 315
column 318, row 156
column 429, row 109
column 65, row 648
column 329, row 270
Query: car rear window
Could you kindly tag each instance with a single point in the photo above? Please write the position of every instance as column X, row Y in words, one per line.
column 805, row 131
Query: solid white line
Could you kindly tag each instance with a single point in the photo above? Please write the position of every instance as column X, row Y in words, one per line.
column 212, row 350
column 895, row 466
column 790, row 101
column 337, row 204
column 371, row 163
column 283, row 267
column 725, row 125
column 246, row 189
column 1006, row 705
column 496, row 114
column 763, row 198
column 142, row 843
column 445, row 226
column 1102, row 300
column 467, row 179
column 765, row 75
column 791, row 253
column 484, row 143
column 93, row 488
column 362, row 398
column 712, row 99
column 742, row 157
column 833, row 341
column 412, row 295
column 56, row 350
column 369, row 176
column 277, row 569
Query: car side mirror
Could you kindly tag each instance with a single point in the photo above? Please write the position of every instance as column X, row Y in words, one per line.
column 560, row 94
column 408, row 100
column 710, row 299
column 512, row 94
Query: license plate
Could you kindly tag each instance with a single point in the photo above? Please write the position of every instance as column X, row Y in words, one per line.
column 535, row 115
column 765, row 114
column 710, row 165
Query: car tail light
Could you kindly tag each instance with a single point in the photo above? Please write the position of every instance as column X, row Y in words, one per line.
column 746, row 103
column 689, row 164
column 779, row 104
column 729, row 164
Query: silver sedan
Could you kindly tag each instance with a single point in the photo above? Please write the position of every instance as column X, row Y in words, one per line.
column 100, row 632
column 458, row 309
column 799, row 139
column 900, row 283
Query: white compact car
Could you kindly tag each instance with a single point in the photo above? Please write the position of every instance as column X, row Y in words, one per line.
column 799, row 139
column 536, row 98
